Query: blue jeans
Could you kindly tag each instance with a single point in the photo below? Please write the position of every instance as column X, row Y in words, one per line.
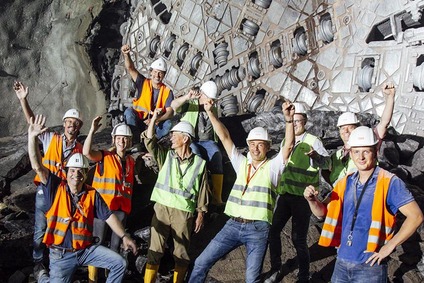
column 232, row 235
column 347, row 272
column 64, row 264
column 137, row 125
column 210, row 152
column 40, row 225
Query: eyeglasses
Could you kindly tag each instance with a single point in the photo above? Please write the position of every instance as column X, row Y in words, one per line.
column 298, row 121
column 72, row 122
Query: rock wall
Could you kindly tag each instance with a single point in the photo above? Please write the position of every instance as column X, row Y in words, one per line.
column 43, row 45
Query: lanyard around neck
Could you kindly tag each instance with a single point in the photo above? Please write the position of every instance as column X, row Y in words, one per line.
column 249, row 177
column 358, row 202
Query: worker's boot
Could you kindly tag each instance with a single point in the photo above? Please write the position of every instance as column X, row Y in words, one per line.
column 179, row 274
column 217, row 182
column 151, row 273
column 92, row 274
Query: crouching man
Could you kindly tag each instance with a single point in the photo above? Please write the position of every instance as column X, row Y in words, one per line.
column 72, row 206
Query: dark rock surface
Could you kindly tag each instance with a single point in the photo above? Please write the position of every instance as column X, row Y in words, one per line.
column 43, row 45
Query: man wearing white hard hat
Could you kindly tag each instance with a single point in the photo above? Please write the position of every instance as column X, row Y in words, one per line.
column 180, row 192
column 57, row 149
column 113, row 180
column 252, row 198
column 302, row 170
column 71, row 208
column 191, row 107
column 361, row 213
column 340, row 164
column 152, row 94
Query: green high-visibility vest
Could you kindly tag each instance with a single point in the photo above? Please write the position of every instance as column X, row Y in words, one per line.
column 192, row 115
column 178, row 186
column 299, row 172
column 255, row 200
column 340, row 168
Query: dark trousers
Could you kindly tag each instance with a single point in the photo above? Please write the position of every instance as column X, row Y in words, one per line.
column 297, row 208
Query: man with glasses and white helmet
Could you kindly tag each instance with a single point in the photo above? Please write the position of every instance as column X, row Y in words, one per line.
column 151, row 94
column 204, row 144
column 339, row 164
column 71, row 208
column 301, row 170
column 57, row 149
column 113, row 179
column 181, row 191
column 361, row 213
column 252, row 198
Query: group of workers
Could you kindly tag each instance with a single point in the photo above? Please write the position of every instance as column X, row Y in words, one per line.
column 71, row 216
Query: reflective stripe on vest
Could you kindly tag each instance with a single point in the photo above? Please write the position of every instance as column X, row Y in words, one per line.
column 175, row 190
column 258, row 200
column 329, row 227
column 299, row 173
column 59, row 219
column 144, row 103
column 115, row 191
column 53, row 157
column 381, row 229
column 338, row 169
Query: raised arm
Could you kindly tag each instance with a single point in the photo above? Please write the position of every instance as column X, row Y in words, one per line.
column 180, row 101
column 22, row 92
column 150, row 132
column 288, row 110
column 386, row 117
column 219, row 128
column 94, row 155
column 36, row 128
column 129, row 64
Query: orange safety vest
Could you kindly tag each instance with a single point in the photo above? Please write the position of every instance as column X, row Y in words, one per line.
column 110, row 182
column 144, row 104
column 60, row 219
column 53, row 157
column 382, row 224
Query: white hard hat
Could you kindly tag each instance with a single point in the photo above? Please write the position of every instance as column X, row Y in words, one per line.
column 347, row 118
column 159, row 64
column 184, row 127
column 299, row 108
column 121, row 130
column 362, row 136
column 258, row 133
column 72, row 113
column 209, row 89
column 77, row 160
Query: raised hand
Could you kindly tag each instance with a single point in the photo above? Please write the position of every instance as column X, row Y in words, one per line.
column 125, row 49
column 208, row 105
column 193, row 93
column 288, row 109
column 95, row 124
column 20, row 90
column 37, row 126
column 389, row 89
